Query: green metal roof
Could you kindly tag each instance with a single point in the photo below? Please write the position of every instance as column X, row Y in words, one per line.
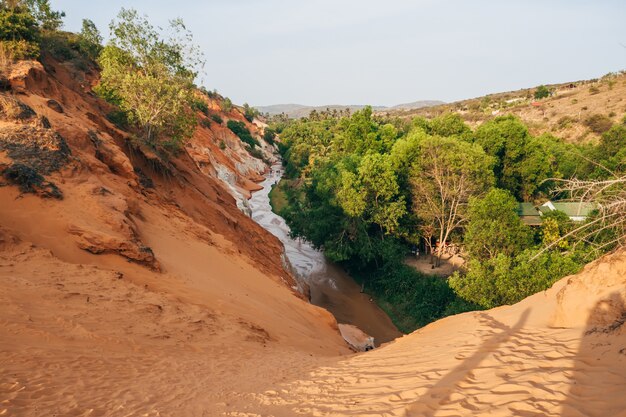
column 545, row 209
column 529, row 214
column 573, row 209
column 527, row 209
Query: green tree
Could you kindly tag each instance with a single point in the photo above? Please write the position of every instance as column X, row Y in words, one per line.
column 151, row 78
column 611, row 151
column 240, row 129
column 541, row 92
column 17, row 23
column 449, row 124
column 507, row 279
column 372, row 193
column 226, row 105
column 90, row 41
column 359, row 134
column 444, row 177
column 522, row 162
column 47, row 18
column 19, row 32
column 249, row 112
column 494, row 227
column 554, row 226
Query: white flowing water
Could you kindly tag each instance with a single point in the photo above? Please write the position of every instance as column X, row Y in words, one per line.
column 304, row 258
column 331, row 287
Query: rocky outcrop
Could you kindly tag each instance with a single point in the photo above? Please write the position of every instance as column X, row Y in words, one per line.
column 31, row 149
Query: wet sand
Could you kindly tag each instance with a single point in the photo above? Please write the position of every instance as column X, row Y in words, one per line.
column 331, row 287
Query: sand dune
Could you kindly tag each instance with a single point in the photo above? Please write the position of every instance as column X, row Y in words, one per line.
column 558, row 353
column 83, row 340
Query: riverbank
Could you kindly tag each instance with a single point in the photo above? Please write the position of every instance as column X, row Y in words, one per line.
column 410, row 295
column 330, row 286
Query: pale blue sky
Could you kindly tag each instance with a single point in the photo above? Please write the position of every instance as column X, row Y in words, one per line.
column 385, row 52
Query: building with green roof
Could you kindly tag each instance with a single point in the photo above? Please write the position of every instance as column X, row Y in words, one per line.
column 576, row 211
column 529, row 214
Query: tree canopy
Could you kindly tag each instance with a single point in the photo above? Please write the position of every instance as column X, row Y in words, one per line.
column 150, row 77
column 444, row 176
column 494, row 227
column 366, row 188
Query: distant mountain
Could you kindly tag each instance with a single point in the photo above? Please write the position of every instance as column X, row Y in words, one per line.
column 300, row 110
column 417, row 105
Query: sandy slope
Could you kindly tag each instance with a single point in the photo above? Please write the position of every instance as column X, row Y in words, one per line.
column 563, row 115
column 129, row 298
column 86, row 340
column 558, row 353
column 114, row 338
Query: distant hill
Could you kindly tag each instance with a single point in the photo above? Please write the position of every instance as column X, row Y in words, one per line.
column 416, row 105
column 576, row 111
column 300, row 110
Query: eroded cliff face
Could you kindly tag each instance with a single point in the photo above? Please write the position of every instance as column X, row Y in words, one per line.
column 52, row 123
column 113, row 259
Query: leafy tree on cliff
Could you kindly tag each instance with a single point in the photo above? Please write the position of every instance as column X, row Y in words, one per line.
column 47, row 18
column 19, row 31
column 151, row 78
column 249, row 112
column 90, row 41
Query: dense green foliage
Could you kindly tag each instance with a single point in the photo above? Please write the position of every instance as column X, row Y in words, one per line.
column 411, row 298
column 19, row 32
column 507, row 279
column 240, row 129
column 611, row 152
column 22, row 24
column 217, row 118
column 269, row 135
column 151, row 78
column 200, row 105
column 446, row 173
column 90, row 41
column 494, row 227
column 226, row 105
column 365, row 189
column 542, row 92
column 46, row 17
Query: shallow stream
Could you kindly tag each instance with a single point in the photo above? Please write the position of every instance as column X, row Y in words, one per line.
column 331, row 287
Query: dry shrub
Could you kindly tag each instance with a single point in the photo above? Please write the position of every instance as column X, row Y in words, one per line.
column 6, row 59
column 14, row 110
column 565, row 122
column 598, row 123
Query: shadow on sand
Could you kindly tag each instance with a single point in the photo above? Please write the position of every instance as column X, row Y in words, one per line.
column 438, row 394
column 598, row 378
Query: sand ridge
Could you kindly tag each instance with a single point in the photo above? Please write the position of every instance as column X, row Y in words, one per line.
column 535, row 358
